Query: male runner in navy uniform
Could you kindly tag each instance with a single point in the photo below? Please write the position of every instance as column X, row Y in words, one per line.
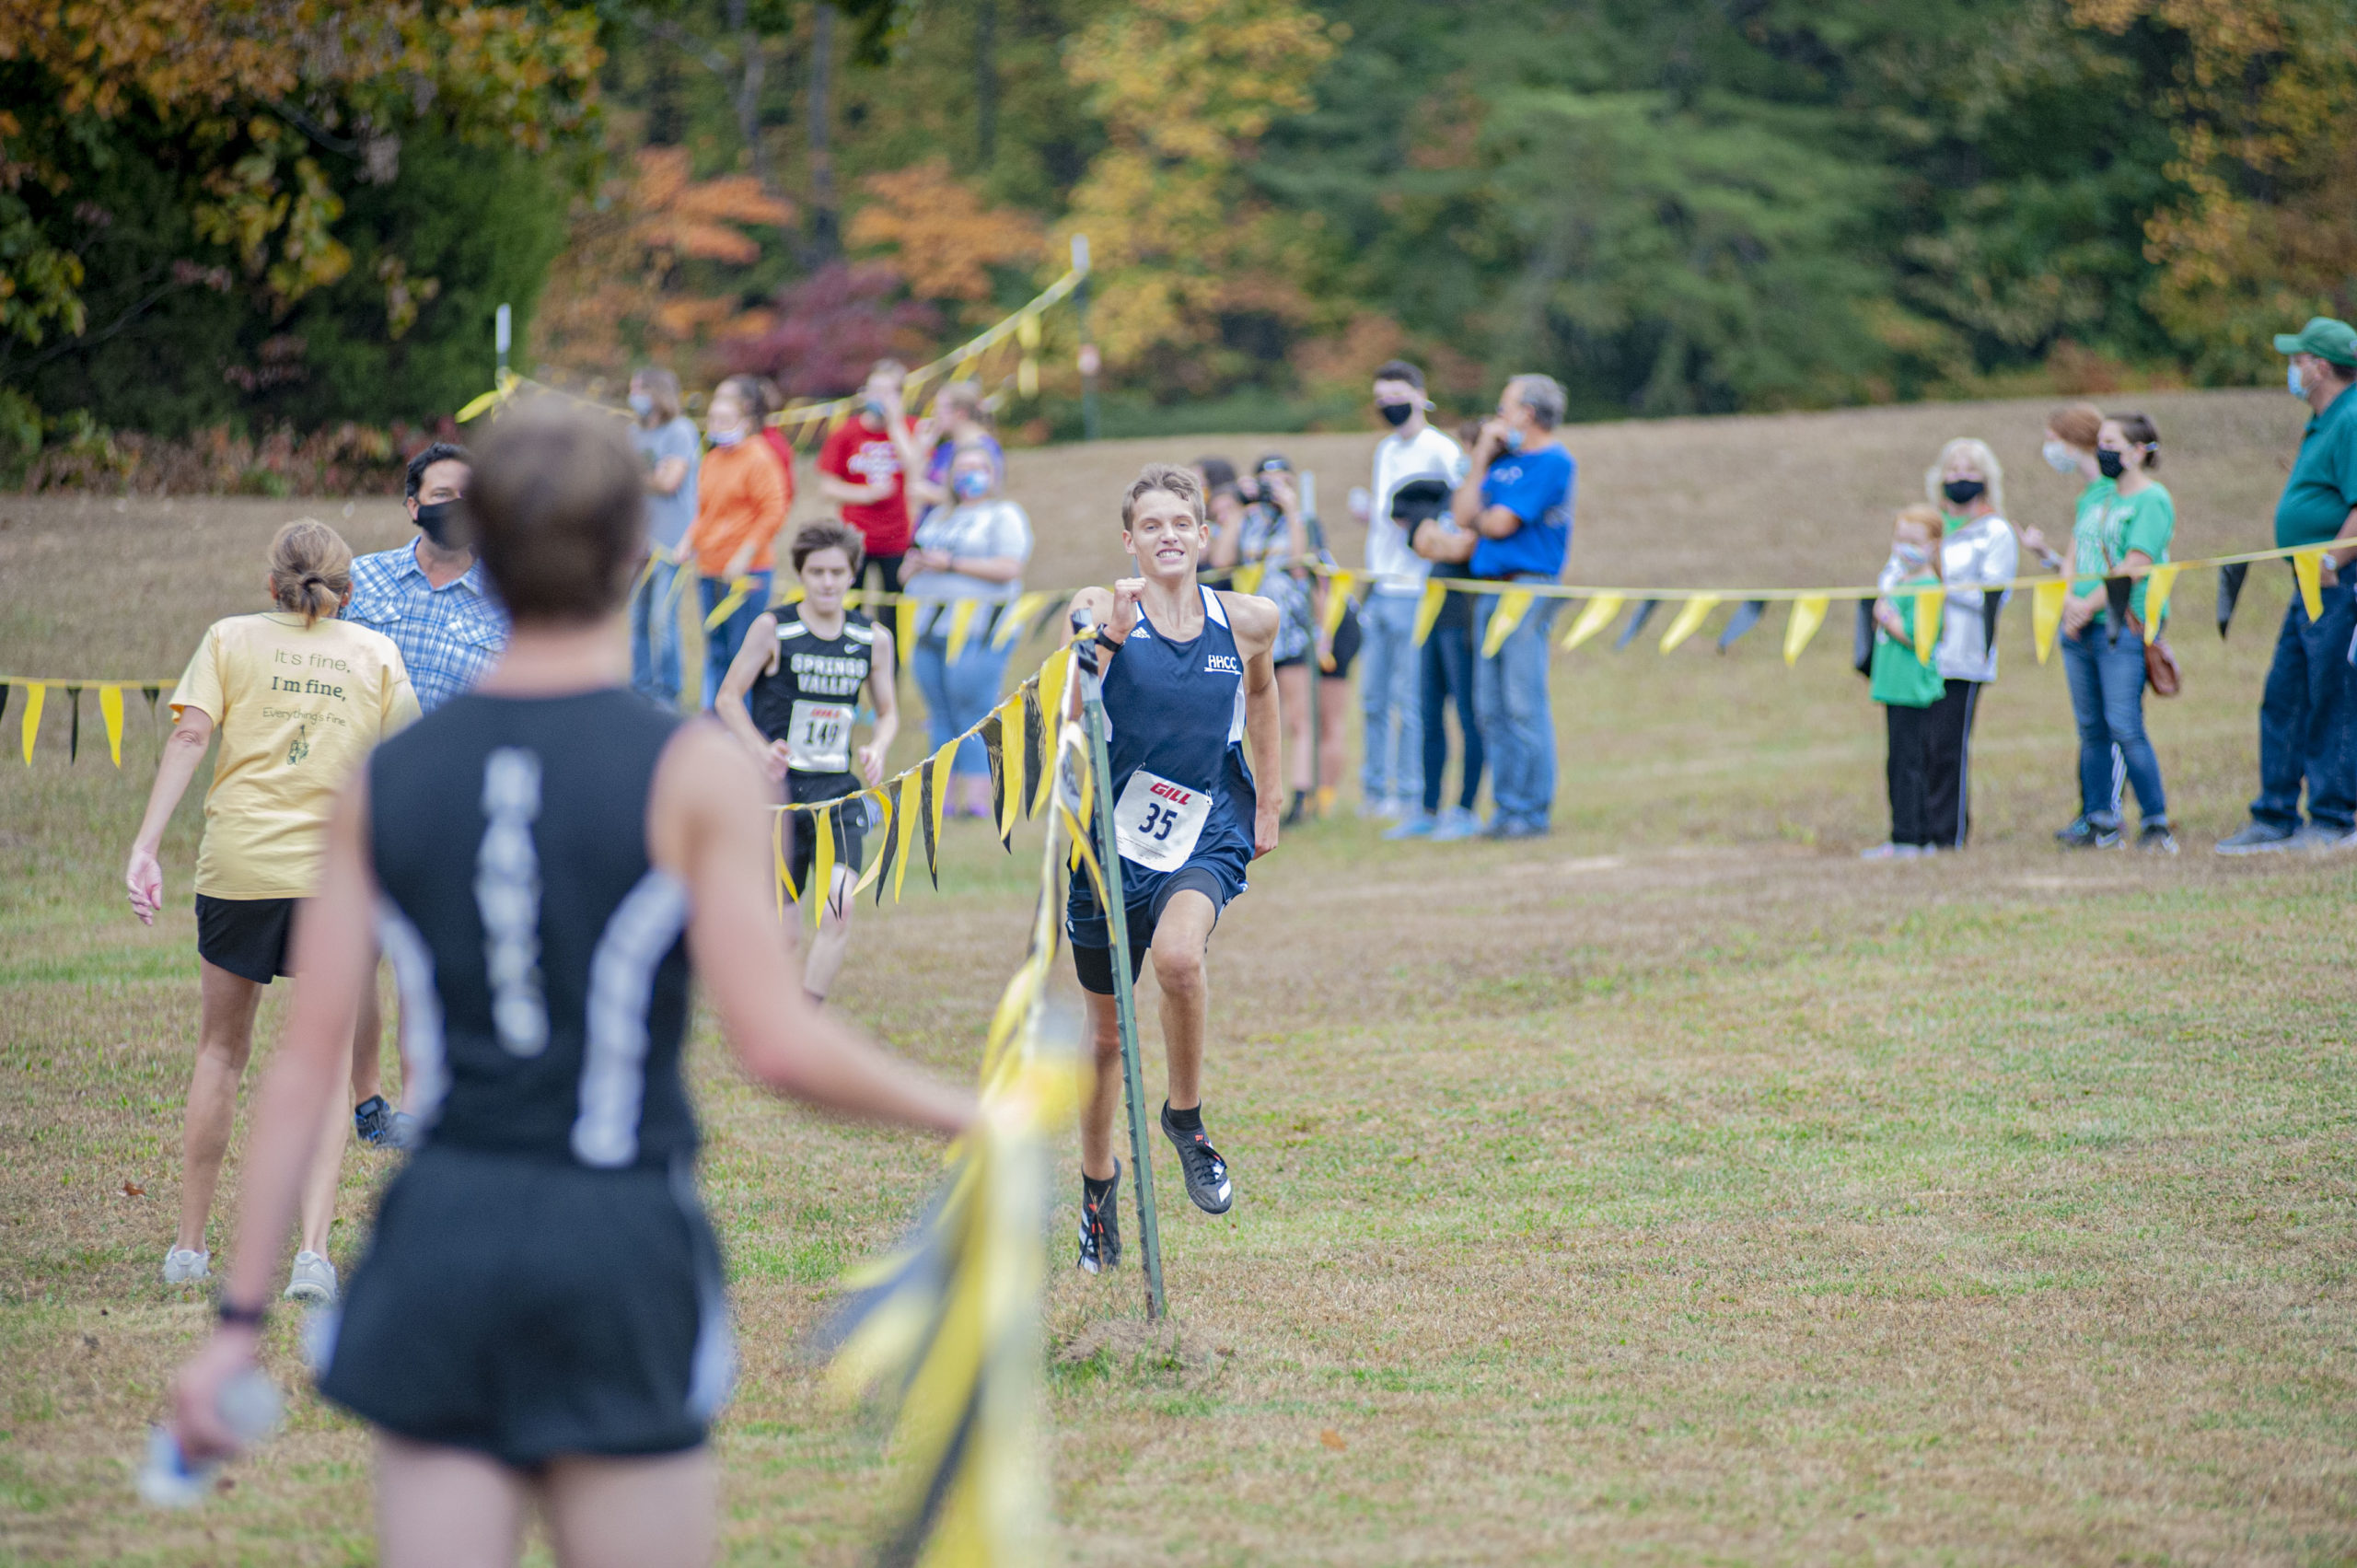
column 1187, row 676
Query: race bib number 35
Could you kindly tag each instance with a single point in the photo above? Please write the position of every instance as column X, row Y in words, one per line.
column 818, row 741
column 1155, row 822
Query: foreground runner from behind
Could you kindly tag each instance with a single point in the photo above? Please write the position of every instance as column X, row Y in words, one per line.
column 1188, row 673
column 792, row 696
column 539, row 1317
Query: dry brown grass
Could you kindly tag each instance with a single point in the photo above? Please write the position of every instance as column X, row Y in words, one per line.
column 1676, row 1188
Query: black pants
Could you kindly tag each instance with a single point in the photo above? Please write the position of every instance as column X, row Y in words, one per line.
column 1445, row 675
column 1947, row 795
column 1908, row 772
column 888, row 573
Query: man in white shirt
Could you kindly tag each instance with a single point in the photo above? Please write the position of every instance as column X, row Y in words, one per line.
column 1392, row 778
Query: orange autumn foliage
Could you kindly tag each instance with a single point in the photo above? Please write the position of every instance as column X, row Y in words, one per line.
column 941, row 235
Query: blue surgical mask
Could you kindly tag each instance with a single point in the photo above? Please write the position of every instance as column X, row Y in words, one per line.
column 2060, row 456
column 725, row 438
column 872, row 407
column 1514, row 439
column 2292, row 379
column 1910, row 555
column 971, row 484
column 641, row 404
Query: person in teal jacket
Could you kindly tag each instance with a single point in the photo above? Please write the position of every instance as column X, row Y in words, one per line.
column 1907, row 686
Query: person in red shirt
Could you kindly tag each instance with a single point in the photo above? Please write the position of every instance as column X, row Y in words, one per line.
column 864, row 465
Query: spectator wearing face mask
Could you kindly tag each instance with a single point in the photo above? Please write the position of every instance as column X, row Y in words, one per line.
column 1391, row 772
column 863, row 467
column 741, row 500
column 667, row 444
column 2308, row 717
column 970, row 553
column 1977, row 552
column 431, row 596
column 961, row 418
column 2072, row 433
column 1905, row 685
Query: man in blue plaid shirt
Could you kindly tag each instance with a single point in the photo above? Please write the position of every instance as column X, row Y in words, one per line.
column 430, row 596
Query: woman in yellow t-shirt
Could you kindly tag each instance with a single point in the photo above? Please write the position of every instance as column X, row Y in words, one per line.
column 297, row 697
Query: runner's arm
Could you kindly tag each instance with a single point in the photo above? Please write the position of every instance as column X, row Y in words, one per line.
column 760, row 647
column 1254, row 621
column 706, row 826
column 881, row 692
column 183, row 750
column 334, row 950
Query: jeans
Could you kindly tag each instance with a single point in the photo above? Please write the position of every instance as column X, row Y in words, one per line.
column 655, row 635
column 2305, row 719
column 1393, row 769
column 1446, row 676
column 2107, row 695
column 721, row 642
column 959, row 696
column 1517, row 724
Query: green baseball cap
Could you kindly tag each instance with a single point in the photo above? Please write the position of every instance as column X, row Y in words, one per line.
column 2325, row 338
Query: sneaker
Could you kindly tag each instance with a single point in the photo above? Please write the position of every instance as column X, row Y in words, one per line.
column 373, row 1119
column 2086, row 833
column 1207, row 1182
column 1456, row 824
column 2260, row 838
column 2320, row 839
column 1503, row 827
column 2154, row 838
column 312, row 1280
column 1417, row 827
column 1101, row 1227
column 185, row 1266
column 1894, row 852
column 406, row 1134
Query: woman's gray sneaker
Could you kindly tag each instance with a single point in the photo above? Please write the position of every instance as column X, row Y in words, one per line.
column 2084, row 834
column 185, row 1266
column 312, row 1280
column 2154, row 838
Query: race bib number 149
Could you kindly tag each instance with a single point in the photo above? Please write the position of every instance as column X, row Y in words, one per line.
column 1155, row 822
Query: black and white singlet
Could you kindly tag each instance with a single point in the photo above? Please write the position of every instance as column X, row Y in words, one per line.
column 810, row 699
column 543, row 976
column 541, row 1280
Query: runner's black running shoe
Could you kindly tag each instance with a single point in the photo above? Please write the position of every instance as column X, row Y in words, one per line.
column 1207, row 1182
column 372, row 1118
column 1101, row 1227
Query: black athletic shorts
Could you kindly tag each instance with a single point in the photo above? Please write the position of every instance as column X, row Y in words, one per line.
column 246, row 936
column 1093, row 965
column 526, row 1308
column 1347, row 638
column 851, row 843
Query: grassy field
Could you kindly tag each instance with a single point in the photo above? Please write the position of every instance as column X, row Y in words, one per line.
column 1676, row 1190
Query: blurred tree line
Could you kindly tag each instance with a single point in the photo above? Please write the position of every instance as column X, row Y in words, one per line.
column 1673, row 206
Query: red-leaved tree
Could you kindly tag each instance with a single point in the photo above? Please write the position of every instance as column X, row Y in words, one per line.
column 830, row 328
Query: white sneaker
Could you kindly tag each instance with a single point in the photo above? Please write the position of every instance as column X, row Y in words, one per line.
column 312, row 1280
column 183, row 1266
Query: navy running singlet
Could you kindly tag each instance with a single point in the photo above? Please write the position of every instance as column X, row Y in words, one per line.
column 1183, row 795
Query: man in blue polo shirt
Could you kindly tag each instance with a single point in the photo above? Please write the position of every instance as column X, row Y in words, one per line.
column 1513, row 511
column 2307, row 718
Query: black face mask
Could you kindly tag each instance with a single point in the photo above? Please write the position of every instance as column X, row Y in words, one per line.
column 2112, row 464
column 435, row 521
column 1398, row 414
column 1963, row 491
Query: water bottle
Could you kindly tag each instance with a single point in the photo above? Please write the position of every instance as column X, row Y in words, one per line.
column 248, row 1406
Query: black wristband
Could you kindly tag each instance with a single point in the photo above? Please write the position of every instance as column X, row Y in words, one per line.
column 1105, row 640
column 236, row 1317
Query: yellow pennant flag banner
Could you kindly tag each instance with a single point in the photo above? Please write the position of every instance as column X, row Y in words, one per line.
column 1594, row 616
column 1428, row 609
column 2046, row 615
column 2157, row 598
column 2308, row 570
column 1808, row 614
column 1929, row 602
column 1511, row 608
column 949, row 1322
column 1689, row 621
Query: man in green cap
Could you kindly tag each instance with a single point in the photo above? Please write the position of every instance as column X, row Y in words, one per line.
column 2307, row 719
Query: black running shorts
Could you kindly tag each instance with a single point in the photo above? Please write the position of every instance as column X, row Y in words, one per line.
column 1093, row 965
column 526, row 1309
column 851, row 843
column 1347, row 638
column 246, row 936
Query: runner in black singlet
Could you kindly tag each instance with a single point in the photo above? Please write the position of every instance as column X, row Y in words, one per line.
column 792, row 695
column 1188, row 677
column 538, row 1319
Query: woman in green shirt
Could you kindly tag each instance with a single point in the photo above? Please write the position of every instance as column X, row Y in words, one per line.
column 2123, row 528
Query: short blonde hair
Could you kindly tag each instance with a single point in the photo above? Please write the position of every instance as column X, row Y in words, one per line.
column 1991, row 471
